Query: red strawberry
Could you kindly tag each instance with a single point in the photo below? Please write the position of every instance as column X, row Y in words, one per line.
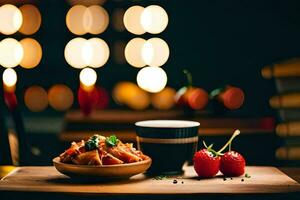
column 206, row 164
column 232, row 164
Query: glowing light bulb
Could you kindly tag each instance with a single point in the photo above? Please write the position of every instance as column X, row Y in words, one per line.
column 32, row 53
column 75, row 19
column 154, row 19
column 133, row 52
column 77, row 53
column 155, row 52
column 132, row 20
column 152, row 79
column 31, row 19
column 97, row 52
column 88, row 77
column 11, row 19
column 96, row 19
column 9, row 77
column 11, row 53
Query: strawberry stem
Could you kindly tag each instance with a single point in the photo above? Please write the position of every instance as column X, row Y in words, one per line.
column 189, row 78
column 236, row 133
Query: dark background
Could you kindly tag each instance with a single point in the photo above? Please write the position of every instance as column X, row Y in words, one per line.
column 220, row 42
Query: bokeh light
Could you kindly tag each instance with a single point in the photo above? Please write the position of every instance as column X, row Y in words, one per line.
column 60, row 97
column 77, row 53
column 96, row 53
column 88, row 77
column 155, row 52
column 11, row 19
column 127, row 93
column 32, row 53
column 132, row 20
column 11, row 52
column 36, row 99
column 9, row 77
column 133, row 52
column 164, row 99
column 152, row 79
column 96, row 19
column 86, row 2
column 75, row 20
column 154, row 19
column 81, row 19
column 31, row 19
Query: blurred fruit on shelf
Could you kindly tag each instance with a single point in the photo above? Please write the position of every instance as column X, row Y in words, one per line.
column 10, row 100
column 129, row 94
column 103, row 98
column 87, row 100
column 227, row 98
column 191, row 97
column 36, row 99
column 60, row 97
column 164, row 100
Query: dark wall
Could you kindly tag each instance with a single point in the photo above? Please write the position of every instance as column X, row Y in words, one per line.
column 220, row 42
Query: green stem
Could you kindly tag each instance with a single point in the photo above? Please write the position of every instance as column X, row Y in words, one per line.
column 236, row 133
column 189, row 77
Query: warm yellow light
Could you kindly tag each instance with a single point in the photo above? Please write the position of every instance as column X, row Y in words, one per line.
column 96, row 19
column 81, row 20
column 77, row 53
column 31, row 19
column 11, row 52
column 86, row 2
column 32, row 53
column 60, row 97
column 132, row 20
column 164, row 99
column 36, row 99
column 11, row 19
column 9, row 77
column 154, row 19
column 133, row 52
column 155, row 52
column 152, row 79
column 88, row 77
column 127, row 93
column 96, row 53
column 75, row 20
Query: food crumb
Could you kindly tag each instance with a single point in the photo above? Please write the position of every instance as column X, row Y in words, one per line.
column 175, row 182
column 242, row 179
column 182, row 182
column 231, row 178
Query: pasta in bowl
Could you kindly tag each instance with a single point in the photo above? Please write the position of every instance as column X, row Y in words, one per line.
column 101, row 156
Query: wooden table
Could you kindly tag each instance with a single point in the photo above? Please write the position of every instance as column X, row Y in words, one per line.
column 47, row 183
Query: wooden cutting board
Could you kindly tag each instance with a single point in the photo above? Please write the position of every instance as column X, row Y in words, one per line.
column 264, row 180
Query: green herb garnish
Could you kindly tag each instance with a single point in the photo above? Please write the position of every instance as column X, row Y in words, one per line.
column 111, row 141
column 92, row 143
column 247, row 175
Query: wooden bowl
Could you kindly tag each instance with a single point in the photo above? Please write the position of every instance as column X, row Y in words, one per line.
column 104, row 172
